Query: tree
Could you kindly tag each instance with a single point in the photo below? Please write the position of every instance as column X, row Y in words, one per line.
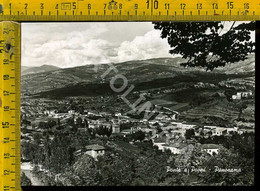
column 59, row 122
column 104, row 131
column 71, row 122
column 81, row 139
column 228, row 159
column 139, row 135
column 36, row 138
column 92, row 132
column 115, row 170
column 79, row 121
column 86, row 123
column 204, row 44
column 61, row 152
column 42, row 125
column 51, row 123
column 46, row 151
column 189, row 133
column 86, row 168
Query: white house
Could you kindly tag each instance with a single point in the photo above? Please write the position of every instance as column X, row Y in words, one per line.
column 211, row 148
column 232, row 130
column 71, row 111
column 159, row 142
column 173, row 149
column 95, row 150
column 240, row 95
column 219, row 131
column 115, row 129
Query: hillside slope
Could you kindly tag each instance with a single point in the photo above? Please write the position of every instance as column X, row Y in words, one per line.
column 40, row 69
column 136, row 72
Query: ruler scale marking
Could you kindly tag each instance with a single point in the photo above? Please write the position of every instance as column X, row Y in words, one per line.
column 10, row 115
column 125, row 10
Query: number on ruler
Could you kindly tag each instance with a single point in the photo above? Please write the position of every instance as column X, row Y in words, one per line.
column 230, row 5
column 6, row 188
column 6, row 77
column 5, row 125
column 183, row 5
column 246, row 6
column 155, row 4
column 148, row 2
column 42, row 5
column 6, row 172
column 6, row 108
column 215, row 6
column 6, row 93
column 6, row 155
column 6, row 62
column 74, row 6
column 6, row 140
column 199, row 6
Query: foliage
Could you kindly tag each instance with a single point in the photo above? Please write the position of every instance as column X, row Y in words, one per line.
column 104, row 131
column 31, row 152
column 204, row 44
column 189, row 133
column 115, row 170
column 63, row 153
column 228, row 159
column 86, row 169
column 138, row 136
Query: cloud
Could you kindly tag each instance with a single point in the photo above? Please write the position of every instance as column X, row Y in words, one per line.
column 144, row 47
column 76, row 44
column 64, row 46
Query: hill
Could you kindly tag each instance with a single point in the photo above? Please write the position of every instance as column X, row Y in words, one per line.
column 136, row 72
column 33, row 70
column 23, row 68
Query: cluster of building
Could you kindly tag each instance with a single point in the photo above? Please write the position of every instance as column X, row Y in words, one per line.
column 242, row 95
column 165, row 130
column 173, row 137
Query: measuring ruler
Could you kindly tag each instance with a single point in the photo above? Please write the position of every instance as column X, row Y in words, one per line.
column 9, row 106
column 129, row 10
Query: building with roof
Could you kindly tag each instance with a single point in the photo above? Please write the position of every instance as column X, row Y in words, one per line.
column 95, row 150
column 159, row 142
column 219, row 131
column 211, row 149
column 115, row 129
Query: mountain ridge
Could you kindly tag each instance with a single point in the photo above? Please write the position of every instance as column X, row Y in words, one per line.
column 38, row 69
column 136, row 72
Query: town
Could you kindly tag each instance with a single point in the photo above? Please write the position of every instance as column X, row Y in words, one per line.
column 81, row 116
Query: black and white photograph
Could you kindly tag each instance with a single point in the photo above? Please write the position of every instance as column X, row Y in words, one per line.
column 138, row 103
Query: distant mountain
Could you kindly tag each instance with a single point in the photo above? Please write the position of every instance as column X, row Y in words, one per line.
column 239, row 67
column 23, row 68
column 148, row 73
column 33, row 70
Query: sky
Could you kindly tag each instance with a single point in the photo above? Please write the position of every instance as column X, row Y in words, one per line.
column 76, row 44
